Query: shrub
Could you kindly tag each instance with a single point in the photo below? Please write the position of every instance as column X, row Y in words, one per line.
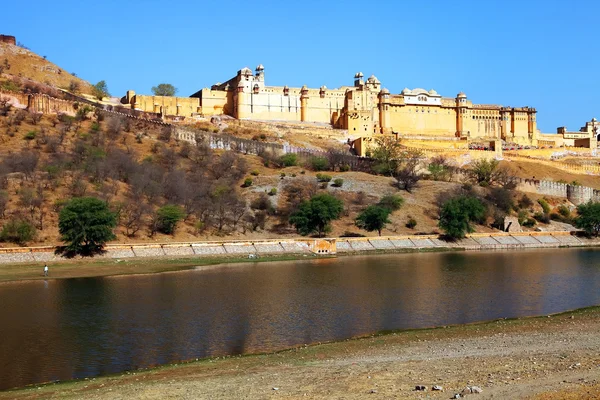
column 542, row 217
column 17, row 231
column 411, row 222
column 323, row 178
column 556, row 216
column 522, row 216
column 272, row 192
column 344, row 168
column 282, row 175
column 289, row 160
column 589, row 218
column 314, row 216
column 525, row 202
column 458, row 213
column 338, row 182
column 529, row 222
column 564, row 211
column 545, row 206
column 302, row 172
column 391, row 201
column 254, row 173
column 247, row 182
column 319, row 164
column 30, row 135
column 167, row 218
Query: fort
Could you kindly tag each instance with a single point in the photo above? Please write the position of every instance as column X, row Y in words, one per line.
column 364, row 109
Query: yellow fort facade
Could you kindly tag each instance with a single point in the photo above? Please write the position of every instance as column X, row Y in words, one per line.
column 364, row 109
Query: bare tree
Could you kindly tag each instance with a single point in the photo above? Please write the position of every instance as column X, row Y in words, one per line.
column 132, row 216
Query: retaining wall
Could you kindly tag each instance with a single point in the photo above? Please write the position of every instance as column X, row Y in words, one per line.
column 495, row 241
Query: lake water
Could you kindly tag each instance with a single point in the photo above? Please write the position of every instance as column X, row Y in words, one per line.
column 75, row 328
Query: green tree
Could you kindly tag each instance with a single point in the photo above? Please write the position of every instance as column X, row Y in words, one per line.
column 589, row 218
column 17, row 231
column 483, row 172
column 316, row 214
column 164, row 89
column 167, row 218
column 100, row 90
column 373, row 218
column 85, row 224
column 386, row 153
column 458, row 213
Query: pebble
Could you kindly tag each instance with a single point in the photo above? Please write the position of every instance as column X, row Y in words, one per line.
column 437, row 387
column 420, row 388
column 373, row 391
column 275, row 388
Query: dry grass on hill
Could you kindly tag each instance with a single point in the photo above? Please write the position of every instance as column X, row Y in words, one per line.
column 25, row 63
column 530, row 169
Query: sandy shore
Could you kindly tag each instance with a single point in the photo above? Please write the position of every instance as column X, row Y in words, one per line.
column 556, row 357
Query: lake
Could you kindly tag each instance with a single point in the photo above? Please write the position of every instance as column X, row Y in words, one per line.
column 74, row 328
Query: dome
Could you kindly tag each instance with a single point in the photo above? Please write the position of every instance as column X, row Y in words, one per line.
column 419, row 91
column 246, row 71
column 406, row 91
column 359, row 75
column 594, row 120
column 260, row 67
column 433, row 92
column 373, row 79
column 323, row 87
column 461, row 95
column 384, row 91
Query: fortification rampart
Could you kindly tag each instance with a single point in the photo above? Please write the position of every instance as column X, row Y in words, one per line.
column 41, row 103
column 8, row 39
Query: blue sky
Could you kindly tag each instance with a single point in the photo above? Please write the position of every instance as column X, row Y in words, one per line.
column 542, row 54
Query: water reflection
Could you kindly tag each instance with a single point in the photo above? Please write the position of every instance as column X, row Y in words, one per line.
column 57, row 330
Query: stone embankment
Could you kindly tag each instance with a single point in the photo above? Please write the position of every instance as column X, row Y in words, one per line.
column 493, row 241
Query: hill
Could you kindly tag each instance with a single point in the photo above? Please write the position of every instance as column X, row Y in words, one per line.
column 21, row 65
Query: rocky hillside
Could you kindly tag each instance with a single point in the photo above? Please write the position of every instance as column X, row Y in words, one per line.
column 18, row 62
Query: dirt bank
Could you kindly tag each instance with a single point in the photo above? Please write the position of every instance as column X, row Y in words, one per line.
column 543, row 358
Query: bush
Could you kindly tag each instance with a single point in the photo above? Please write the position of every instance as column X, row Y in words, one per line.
column 529, row 222
column 30, row 135
column 167, row 218
column 545, row 206
column 542, row 217
column 458, row 213
column 556, row 217
column 17, row 231
column 323, row 178
column 338, row 182
column 522, row 216
column 564, row 211
column 589, row 218
column 391, row 201
column 272, row 192
column 411, row 222
column 254, row 173
column 344, row 168
column 289, row 160
column 525, row 202
column 314, row 216
column 282, row 175
column 319, row 164
column 247, row 182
